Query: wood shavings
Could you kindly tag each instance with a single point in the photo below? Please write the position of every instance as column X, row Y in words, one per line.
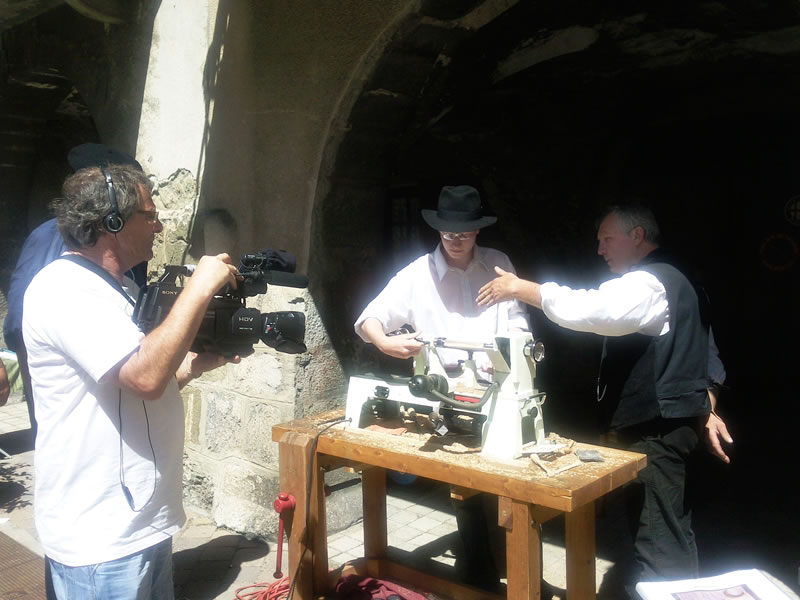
column 390, row 430
column 561, row 458
column 556, row 464
column 553, row 444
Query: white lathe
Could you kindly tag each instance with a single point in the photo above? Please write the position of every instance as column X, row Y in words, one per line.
column 505, row 413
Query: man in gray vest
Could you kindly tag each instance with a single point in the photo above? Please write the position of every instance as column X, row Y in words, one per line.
column 654, row 376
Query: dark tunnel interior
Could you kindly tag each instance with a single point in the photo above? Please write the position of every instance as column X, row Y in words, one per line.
column 555, row 113
column 676, row 110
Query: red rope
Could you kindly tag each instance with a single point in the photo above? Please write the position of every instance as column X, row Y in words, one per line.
column 277, row 590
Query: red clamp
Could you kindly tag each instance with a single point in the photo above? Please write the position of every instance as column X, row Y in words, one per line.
column 284, row 502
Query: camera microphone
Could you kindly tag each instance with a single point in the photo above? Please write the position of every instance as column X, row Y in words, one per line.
column 282, row 278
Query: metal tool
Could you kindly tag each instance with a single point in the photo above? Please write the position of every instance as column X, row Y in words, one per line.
column 504, row 409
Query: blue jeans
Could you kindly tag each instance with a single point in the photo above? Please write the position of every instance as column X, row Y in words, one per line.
column 146, row 575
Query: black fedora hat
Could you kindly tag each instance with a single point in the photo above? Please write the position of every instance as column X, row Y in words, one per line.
column 459, row 210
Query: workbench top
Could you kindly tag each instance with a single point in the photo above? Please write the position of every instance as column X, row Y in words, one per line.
column 447, row 459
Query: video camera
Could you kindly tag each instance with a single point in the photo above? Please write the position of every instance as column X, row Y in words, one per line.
column 229, row 327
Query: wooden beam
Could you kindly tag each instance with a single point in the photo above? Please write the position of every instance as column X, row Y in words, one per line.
column 458, row 492
column 294, row 464
column 524, row 554
column 373, row 489
column 540, row 514
column 580, row 544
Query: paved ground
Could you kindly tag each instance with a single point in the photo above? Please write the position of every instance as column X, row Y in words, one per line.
column 212, row 563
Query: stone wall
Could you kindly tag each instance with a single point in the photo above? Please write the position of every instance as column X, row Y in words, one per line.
column 231, row 463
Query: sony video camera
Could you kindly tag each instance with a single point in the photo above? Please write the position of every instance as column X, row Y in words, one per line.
column 229, row 327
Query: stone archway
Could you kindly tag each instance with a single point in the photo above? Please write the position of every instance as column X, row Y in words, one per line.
column 554, row 112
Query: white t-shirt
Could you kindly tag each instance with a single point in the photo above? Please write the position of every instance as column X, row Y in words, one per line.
column 77, row 328
column 439, row 300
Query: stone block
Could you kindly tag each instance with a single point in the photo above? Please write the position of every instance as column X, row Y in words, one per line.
column 316, row 335
column 193, row 413
column 322, row 384
column 178, row 191
column 222, row 425
column 245, row 500
column 257, row 444
column 198, row 482
column 344, row 504
column 263, row 374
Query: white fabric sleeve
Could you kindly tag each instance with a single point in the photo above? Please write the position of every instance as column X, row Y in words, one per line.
column 633, row 303
column 391, row 307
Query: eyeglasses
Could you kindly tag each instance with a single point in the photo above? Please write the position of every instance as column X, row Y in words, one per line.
column 151, row 216
column 467, row 235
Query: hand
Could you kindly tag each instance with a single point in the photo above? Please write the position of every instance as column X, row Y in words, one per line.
column 197, row 364
column 484, row 364
column 404, row 345
column 213, row 273
column 716, row 432
column 498, row 290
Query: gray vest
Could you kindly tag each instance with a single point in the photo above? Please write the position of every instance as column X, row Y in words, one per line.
column 644, row 377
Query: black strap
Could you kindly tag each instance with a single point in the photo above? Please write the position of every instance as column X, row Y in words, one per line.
column 100, row 271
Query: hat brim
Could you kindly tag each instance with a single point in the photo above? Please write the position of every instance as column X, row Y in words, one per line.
column 432, row 218
column 98, row 155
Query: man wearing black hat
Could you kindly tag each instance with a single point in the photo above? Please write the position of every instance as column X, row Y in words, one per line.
column 436, row 294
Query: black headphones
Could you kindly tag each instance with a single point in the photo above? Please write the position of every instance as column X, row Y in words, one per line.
column 113, row 221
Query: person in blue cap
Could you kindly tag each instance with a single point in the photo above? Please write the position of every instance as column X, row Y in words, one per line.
column 42, row 246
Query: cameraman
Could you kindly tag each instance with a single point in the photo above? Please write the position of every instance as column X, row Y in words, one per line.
column 108, row 462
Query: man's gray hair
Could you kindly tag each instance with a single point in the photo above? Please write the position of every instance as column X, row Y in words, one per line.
column 635, row 214
column 85, row 202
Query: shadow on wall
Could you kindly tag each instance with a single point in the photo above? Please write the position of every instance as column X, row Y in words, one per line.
column 216, row 232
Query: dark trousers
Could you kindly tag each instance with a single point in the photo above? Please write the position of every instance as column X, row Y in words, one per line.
column 659, row 509
column 483, row 556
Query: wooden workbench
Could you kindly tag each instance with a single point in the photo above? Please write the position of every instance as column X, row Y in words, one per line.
column 526, row 499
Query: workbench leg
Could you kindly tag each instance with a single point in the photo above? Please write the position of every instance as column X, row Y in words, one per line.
column 523, row 554
column 373, row 488
column 307, row 547
column 580, row 547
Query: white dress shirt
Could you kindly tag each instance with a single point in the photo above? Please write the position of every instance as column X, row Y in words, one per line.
column 439, row 300
column 633, row 303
